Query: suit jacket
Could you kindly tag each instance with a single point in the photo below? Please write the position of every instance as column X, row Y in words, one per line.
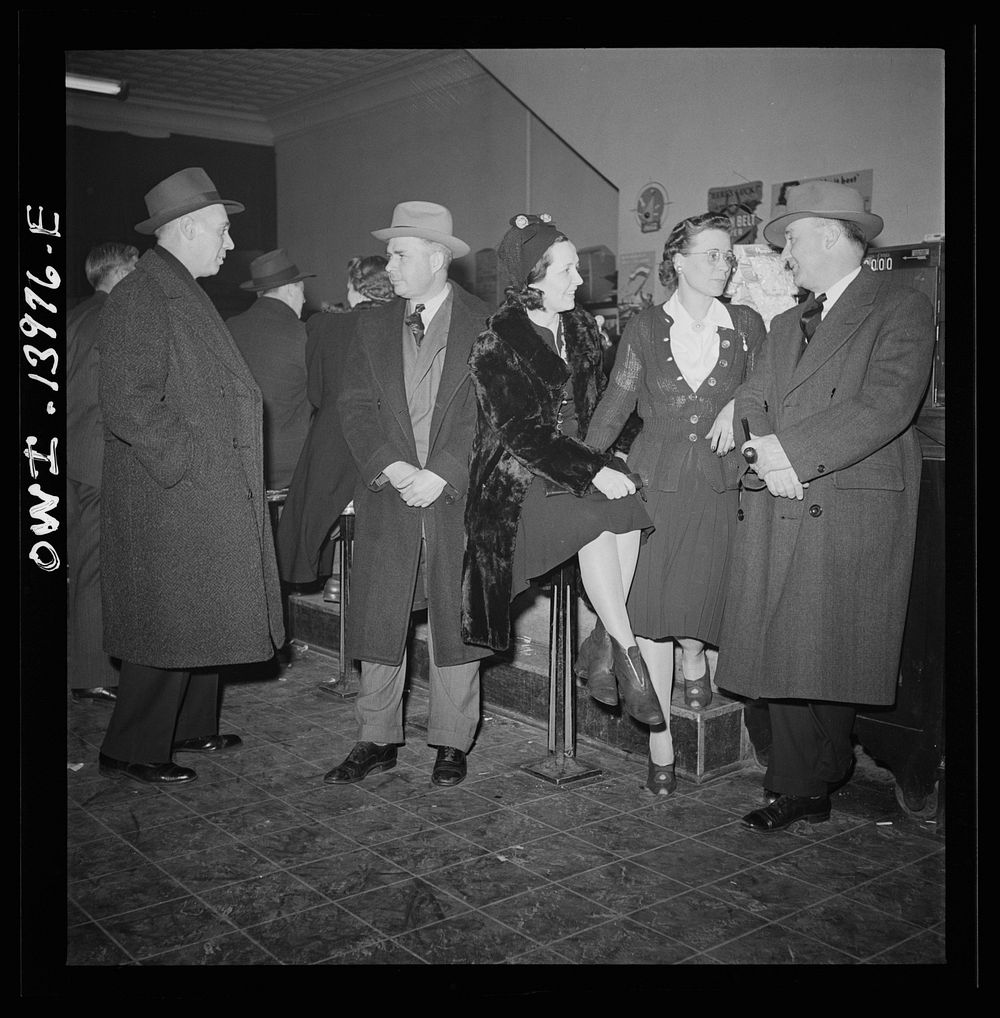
column 187, row 557
column 819, row 588
column 325, row 475
column 272, row 340
column 376, row 422
column 84, row 428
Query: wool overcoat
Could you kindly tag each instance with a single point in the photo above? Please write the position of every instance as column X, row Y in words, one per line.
column 272, row 340
column 819, row 587
column 325, row 475
column 519, row 387
column 189, row 577
column 376, row 422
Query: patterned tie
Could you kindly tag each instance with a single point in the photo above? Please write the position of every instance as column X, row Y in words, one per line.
column 812, row 311
column 416, row 324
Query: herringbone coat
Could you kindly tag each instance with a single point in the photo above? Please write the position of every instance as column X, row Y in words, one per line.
column 819, row 587
column 187, row 557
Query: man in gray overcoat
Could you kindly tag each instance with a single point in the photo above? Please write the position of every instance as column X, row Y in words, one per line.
column 821, row 567
column 189, row 578
column 408, row 412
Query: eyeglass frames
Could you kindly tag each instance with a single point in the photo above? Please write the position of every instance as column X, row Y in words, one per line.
column 714, row 256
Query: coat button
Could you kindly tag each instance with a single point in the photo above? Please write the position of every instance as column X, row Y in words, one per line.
column 740, row 514
column 815, row 510
column 249, row 495
column 711, row 381
column 724, row 363
column 820, row 468
column 694, row 418
column 725, row 344
column 693, row 437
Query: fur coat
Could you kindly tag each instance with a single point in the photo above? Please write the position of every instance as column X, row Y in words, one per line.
column 519, row 384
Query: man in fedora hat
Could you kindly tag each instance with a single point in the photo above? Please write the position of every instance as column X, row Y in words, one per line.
column 272, row 339
column 820, row 573
column 408, row 412
column 188, row 571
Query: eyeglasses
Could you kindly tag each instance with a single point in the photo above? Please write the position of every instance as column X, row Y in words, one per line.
column 714, row 256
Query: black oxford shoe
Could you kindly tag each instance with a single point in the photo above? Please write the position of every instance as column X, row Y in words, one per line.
column 768, row 796
column 208, row 744
column 785, row 810
column 449, row 767
column 148, row 773
column 96, row 694
column 366, row 758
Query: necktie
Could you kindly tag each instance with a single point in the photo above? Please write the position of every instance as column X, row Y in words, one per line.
column 416, row 324
column 809, row 322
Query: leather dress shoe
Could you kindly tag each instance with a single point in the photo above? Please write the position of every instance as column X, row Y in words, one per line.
column 98, row 694
column 208, row 744
column 769, row 796
column 595, row 664
column 785, row 810
column 364, row 759
column 634, row 684
column 449, row 767
column 148, row 773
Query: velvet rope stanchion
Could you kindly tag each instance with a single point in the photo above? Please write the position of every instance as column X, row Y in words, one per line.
column 560, row 766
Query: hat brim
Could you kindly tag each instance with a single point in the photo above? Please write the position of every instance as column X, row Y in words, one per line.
column 151, row 225
column 273, row 284
column 457, row 247
column 774, row 232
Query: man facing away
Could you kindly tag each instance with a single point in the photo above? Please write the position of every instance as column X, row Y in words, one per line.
column 821, row 566
column 408, row 412
column 189, row 576
column 92, row 676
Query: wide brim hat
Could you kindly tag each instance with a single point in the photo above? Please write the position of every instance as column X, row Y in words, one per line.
column 182, row 192
column 423, row 219
column 823, row 199
column 274, row 269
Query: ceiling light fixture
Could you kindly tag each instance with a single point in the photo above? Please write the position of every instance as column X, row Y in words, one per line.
column 101, row 86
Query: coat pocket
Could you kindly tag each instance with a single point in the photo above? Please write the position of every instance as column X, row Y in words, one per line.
column 882, row 476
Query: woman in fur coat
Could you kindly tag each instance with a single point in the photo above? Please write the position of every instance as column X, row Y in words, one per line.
column 537, row 493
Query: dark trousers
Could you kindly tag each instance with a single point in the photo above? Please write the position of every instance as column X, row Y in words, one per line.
column 810, row 746
column 157, row 707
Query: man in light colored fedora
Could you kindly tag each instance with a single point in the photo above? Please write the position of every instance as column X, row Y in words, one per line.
column 183, row 523
column 820, row 572
column 408, row 412
column 272, row 339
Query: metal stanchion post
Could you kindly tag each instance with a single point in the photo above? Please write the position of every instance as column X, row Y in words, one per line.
column 346, row 687
column 561, row 766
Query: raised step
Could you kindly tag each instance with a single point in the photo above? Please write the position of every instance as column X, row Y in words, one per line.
column 706, row 743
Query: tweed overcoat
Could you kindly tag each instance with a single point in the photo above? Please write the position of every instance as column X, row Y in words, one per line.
column 325, row 475
column 376, row 421
column 272, row 340
column 84, row 431
column 519, row 387
column 187, row 558
column 819, row 587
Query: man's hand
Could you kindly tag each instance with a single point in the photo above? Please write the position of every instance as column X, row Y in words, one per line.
column 399, row 472
column 421, row 489
column 784, row 483
column 613, row 483
column 720, row 435
column 770, row 455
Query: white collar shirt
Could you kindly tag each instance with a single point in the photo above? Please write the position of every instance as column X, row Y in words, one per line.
column 833, row 293
column 695, row 345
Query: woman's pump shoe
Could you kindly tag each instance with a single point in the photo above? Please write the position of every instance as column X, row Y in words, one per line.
column 634, row 684
column 595, row 665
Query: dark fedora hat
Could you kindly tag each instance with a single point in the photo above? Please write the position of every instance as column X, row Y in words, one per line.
column 182, row 192
column 274, row 269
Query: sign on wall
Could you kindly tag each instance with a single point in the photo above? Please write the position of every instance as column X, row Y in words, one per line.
column 739, row 202
column 860, row 180
column 651, row 204
column 636, row 279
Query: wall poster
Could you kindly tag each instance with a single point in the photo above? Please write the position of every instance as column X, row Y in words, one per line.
column 636, row 279
column 739, row 202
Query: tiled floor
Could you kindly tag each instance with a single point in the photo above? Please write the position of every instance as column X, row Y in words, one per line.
column 259, row 863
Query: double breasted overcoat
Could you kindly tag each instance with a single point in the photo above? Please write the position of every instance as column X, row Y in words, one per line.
column 189, row 577
column 819, row 587
column 376, row 422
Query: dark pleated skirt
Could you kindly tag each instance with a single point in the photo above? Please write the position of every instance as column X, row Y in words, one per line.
column 554, row 528
column 680, row 582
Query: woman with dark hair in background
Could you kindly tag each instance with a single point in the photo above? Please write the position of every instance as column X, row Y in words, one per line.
column 324, row 475
column 679, row 363
column 537, row 493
